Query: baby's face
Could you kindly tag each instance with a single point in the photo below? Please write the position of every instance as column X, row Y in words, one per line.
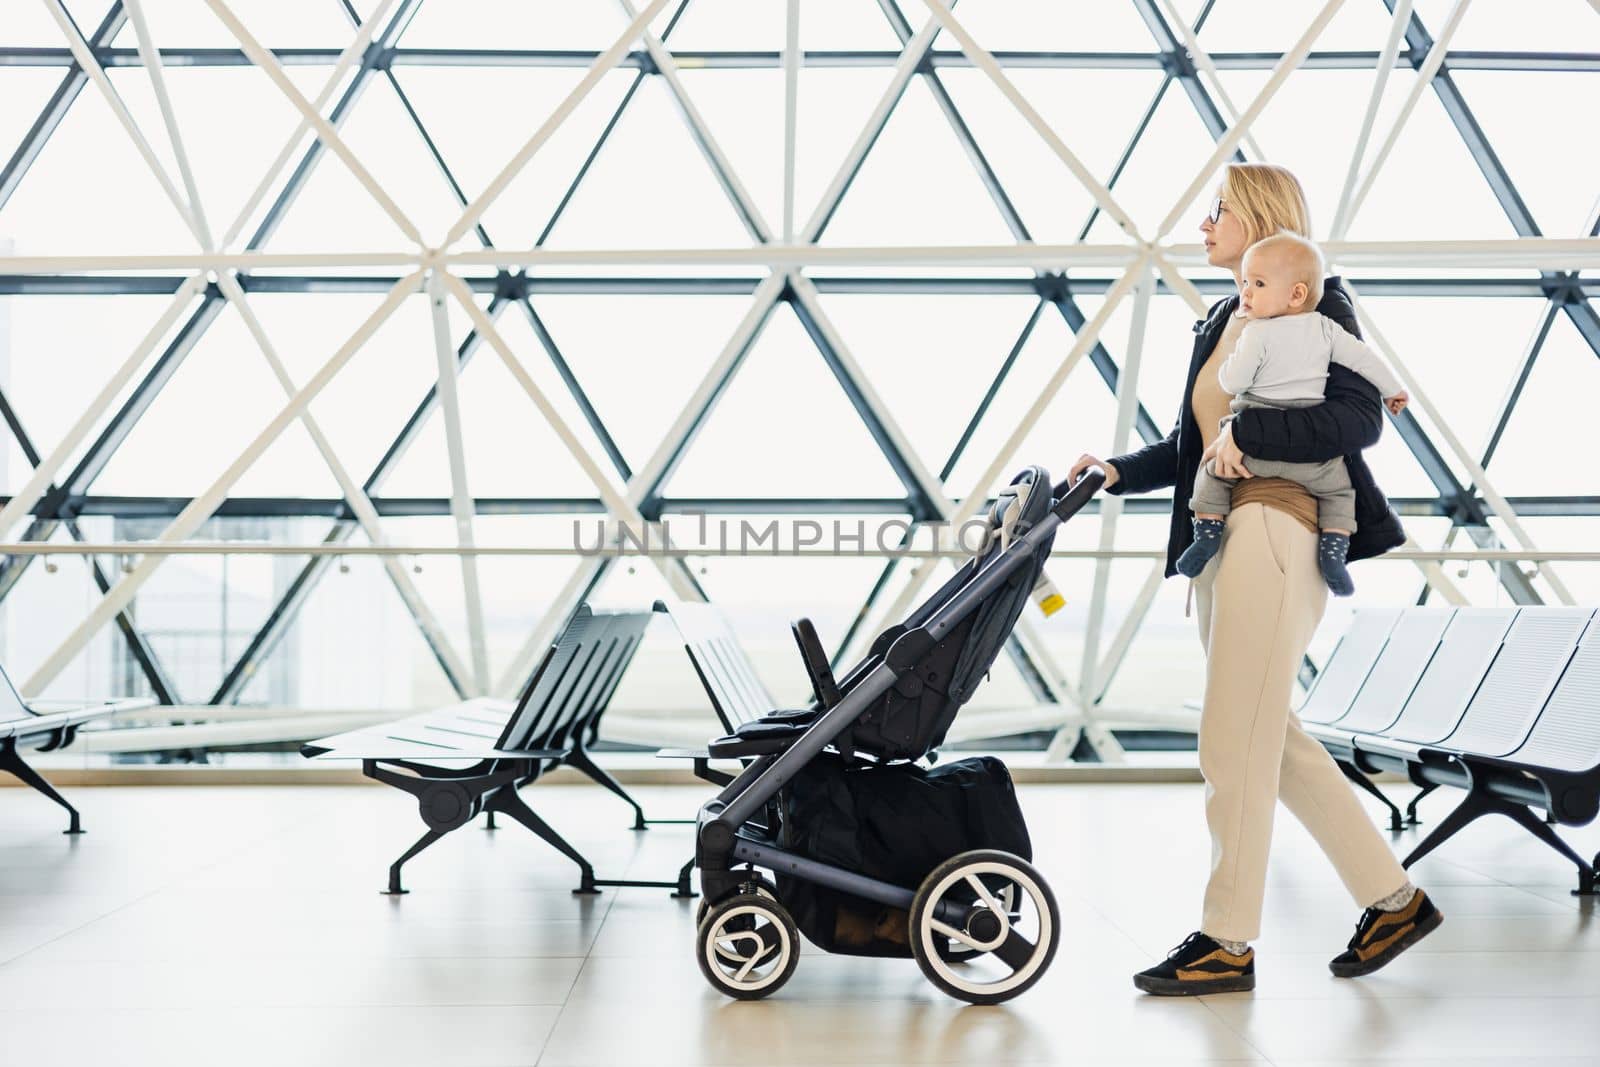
column 1269, row 288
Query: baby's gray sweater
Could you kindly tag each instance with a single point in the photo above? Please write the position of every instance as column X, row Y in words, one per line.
column 1284, row 361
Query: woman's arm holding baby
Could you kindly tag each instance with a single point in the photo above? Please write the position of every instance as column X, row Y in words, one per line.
column 1349, row 419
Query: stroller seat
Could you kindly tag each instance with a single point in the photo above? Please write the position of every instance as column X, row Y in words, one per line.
column 986, row 910
column 914, row 715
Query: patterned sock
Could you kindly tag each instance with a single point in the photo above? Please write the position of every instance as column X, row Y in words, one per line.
column 1398, row 899
column 1233, row 948
column 1332, row 549
column 1207, row 543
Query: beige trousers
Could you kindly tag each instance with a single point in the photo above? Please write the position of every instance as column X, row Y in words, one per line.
column 1259, row 603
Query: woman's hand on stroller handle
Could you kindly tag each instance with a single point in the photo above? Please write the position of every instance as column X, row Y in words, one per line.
column 1086, row 461
column 1086, row 479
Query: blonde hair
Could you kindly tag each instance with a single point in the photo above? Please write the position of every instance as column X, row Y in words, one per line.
column 1267, row 199
column 1300, row 257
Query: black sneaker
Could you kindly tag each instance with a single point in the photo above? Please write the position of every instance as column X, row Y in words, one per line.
column 1197, row 967
column 1383, row 935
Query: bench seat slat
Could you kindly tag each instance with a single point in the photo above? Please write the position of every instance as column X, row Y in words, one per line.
column 1458, row 666
column 1347, row 668
column 1405, row 658
column 1567, row 735
column 1520, row 680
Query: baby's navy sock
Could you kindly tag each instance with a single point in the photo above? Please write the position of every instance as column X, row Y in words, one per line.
column 1207, row 543
column 1332, row 549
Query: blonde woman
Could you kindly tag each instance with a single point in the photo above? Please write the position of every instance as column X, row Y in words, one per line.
column 1259, row 602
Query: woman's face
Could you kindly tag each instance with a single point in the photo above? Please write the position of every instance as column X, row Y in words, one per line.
column 1225, row 238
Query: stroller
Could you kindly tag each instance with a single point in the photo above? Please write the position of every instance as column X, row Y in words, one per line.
column 981, row 923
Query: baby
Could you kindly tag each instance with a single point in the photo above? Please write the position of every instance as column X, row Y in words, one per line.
column 1281, row 361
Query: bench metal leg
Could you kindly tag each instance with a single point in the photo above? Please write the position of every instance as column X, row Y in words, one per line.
column 1480, row 803
column 395, row 889
column 1396, row 823
column 580, row 760
column 685, row 890
column 1411, row 808
column 11, row 760
column 704, row 772
column 506, row 800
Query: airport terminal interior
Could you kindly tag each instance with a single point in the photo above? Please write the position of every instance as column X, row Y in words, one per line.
column 712, row 532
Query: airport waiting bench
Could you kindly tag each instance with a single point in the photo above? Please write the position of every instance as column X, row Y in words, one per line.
column 733, row 687
column 474, row 757
column 1501, row 702
column 46, row 728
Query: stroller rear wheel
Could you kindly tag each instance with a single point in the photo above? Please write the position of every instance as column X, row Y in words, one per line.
column 1004, row 945
column 953, row 951
column 747, row 946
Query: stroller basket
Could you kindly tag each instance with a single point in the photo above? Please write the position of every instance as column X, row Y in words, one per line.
column 979, row 907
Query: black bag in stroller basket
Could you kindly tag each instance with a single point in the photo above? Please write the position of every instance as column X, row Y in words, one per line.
column 896, row 823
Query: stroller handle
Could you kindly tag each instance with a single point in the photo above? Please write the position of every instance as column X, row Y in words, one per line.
column 1070, row 497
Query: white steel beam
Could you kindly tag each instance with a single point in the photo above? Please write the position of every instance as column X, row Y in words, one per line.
column 650, row 475
column 911, row 57
column 361, row 505
column 1386, row 61
column 1419, row 397
column 1207, row 70
column 1110, row 511
column 617, row 504
column 985, row 61
column 22, row 502
column 1111, row 506
column 353, row 52
column 1510, row 253
column 462, row 508
column 158, row 82
column 1082, row 343
column 91, row 67
column 979, row 494
column 1106, row 672
column 274, row 70
column 929, row 484
column 683, row 428
column 1180, row 285
column 806, row 293
column 1224, row 148
column 792, row 56
column 603, row 63
column 620, row 508
column 200, row 509
column 543, row 634
column 668, row 68
column 1430, row 67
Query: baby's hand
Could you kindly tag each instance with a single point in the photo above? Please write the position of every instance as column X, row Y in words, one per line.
column 1397, row 403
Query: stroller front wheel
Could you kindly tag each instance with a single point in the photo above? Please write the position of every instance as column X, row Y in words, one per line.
column 1006, row 936
column 747, row 946
column 757, row 884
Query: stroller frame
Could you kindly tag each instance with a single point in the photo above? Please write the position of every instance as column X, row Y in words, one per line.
column 724, row 834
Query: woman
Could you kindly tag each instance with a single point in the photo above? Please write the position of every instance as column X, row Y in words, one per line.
column 1259, row 602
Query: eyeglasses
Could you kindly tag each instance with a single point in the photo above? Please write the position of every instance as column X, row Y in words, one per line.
column 1215, row 214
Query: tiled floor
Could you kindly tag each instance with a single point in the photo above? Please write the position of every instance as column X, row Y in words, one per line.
column 243, row 926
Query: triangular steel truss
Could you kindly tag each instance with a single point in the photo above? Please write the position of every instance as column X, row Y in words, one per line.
column 218, row 276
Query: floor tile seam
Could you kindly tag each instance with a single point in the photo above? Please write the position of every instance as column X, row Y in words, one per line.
column 1234, row 1030
column 561, row 1009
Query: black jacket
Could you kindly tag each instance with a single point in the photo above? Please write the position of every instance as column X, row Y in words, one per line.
column 1349, row 419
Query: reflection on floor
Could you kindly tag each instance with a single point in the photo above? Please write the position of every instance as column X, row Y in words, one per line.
column 242, row 925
